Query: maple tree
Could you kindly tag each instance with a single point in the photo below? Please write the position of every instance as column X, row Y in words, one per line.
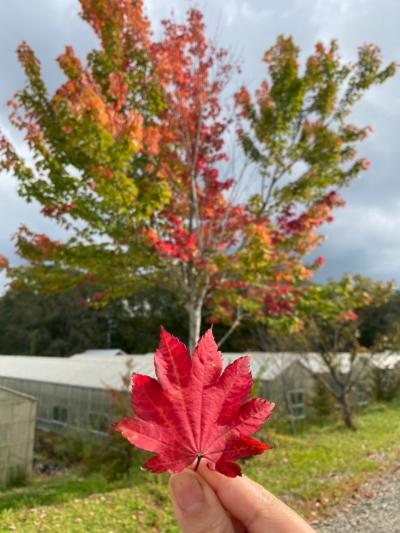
column 92, row 141
column 130, row 157
column 193, row 410
column 245, row 258
column 330, row 316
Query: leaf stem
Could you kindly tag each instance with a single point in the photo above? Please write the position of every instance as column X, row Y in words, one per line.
column 199, row 458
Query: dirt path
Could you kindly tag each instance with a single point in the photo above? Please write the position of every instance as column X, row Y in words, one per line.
column 377, row 512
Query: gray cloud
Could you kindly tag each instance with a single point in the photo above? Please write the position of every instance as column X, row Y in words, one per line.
column 364, row 237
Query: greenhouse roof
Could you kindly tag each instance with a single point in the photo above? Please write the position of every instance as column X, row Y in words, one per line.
column 108, row 371
column 387, row 361
column 90, row 372
column 100, row 353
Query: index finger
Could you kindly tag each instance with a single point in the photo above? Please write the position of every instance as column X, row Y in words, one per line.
column 256, row 508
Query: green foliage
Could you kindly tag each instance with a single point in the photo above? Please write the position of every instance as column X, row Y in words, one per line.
column 52, row 490
column 39, row 324
column 18, row 478
column 86, row 453
column 378, row 322
column 145, row 311
column 90, row 172
column 114, row 456
column 71, row 446
column 299, row 116
column 59, row 325
column 385, row 383
column 331, row 312
column 67, row 448
column 322, row 403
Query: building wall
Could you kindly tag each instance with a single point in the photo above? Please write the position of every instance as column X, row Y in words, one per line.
column 293, row 391
column 61, row 405
column 17, row 429
column 291, row 388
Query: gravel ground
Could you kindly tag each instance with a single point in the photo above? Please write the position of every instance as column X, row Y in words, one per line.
column 377, row 510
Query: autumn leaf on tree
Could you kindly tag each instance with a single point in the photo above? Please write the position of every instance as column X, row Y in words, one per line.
column 194, row 410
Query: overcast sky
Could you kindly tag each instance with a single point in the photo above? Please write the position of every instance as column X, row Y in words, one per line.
column 365, row 237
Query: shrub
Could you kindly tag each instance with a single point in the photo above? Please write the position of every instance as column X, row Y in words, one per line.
column 322, row 403
column 385, row 383
column 113, row 456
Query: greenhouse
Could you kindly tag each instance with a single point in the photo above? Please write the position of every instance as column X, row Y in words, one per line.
column 75, row 391
column 71, row 391
column 17, row 430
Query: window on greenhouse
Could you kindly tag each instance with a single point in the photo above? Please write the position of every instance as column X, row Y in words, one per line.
column 362, row 397
column 60, row 414
column 98, row 421
column 296, row 404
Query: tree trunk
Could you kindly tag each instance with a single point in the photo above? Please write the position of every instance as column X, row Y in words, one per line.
column 346, row 411
column 194, row 310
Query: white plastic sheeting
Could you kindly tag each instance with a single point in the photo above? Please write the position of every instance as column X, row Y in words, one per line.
column 387, row 361
column 91, row 372
column 107, row 371
column 100, row 353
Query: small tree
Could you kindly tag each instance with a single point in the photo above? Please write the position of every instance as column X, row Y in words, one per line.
column 331, row 327
column 129, row 156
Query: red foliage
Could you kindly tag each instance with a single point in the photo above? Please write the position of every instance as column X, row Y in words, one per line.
column 320, row 261
column 350, row 316
column 97, row 296
column 124, row 15
column 195, row 411
column 44, row 244
column 193, row 74
column 202, row 223
column 3, row 262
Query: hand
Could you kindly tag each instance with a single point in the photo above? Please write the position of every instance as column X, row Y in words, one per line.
column 208, row 502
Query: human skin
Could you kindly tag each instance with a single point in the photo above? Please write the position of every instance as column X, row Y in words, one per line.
column 208, row 502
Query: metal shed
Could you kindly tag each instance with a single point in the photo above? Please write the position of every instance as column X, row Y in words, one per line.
column 17, row 430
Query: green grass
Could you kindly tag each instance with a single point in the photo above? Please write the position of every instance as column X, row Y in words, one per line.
column 313, row 471
column 45, row 491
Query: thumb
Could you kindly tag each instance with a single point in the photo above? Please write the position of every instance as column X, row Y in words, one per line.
column 196, row 506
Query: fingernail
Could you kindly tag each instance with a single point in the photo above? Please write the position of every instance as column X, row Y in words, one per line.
column 187, row 491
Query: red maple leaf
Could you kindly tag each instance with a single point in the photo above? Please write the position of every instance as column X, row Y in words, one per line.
column 195, row 411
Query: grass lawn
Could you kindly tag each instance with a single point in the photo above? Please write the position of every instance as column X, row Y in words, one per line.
column 313, row 471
